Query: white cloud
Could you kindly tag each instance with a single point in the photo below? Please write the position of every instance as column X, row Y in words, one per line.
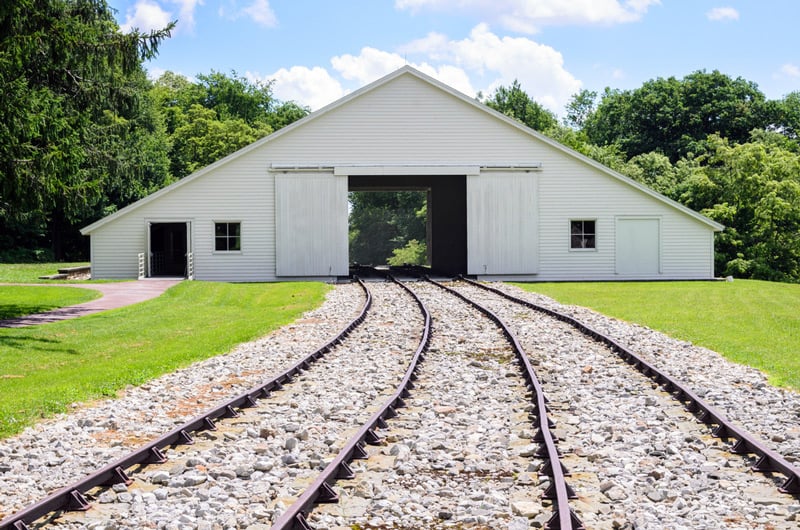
column 539, row 68
column 313, row 87
column 527, row 16
column 261, row 13
column 723, row 13
column 791, row 70
column 483, row 59
column 368, row 66
column 186, row 11
column 154, row 72
column 372, row 64
column 145, row 15
column 258, row 11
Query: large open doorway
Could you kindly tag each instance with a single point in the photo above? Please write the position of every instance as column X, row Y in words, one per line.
column 388, row 227
column 446, row 220
column 168, row 249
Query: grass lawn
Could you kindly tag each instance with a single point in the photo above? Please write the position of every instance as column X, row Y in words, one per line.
column 750, row 322
column 17, row 301
column 45, row 368
column 30, row 272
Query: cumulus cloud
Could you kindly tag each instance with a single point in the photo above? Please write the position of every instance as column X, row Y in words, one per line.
column 261, row 13
column 527, row 16
column 368, row 66
column 372, row 64
column 312, row 87
column 146, row 15
column 258, row 11
column 791, row 70
column 186, row 9
column 483, row 58
column 723, row 13
column 539, row 68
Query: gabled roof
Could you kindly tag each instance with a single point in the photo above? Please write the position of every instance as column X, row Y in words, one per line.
column 404, row 71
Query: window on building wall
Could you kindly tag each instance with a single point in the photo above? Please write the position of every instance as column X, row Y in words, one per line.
column 582, row 234
column 227, row 237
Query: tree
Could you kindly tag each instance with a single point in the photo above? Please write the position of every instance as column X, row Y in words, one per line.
column 515, row 103
column 787, row 116
column 671, row 116
column 235, row 97
column 381, row 222
column 216, row 115
column 580, row 108
column 754, row 189
column 70, row 86
column 202, row 138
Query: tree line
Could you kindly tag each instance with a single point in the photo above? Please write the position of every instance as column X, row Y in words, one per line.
column 84, row 132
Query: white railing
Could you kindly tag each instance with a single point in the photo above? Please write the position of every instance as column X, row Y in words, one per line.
column 141, row 265
column 190, row 266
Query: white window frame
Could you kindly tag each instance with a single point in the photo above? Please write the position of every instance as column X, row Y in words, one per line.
column 569, row 234
column 214, row 237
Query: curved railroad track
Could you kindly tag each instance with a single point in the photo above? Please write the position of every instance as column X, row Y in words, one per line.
column 273, row 418
column 684, row 452
column 448, row 442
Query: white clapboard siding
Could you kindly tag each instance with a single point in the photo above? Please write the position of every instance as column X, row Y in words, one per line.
column 407, row 119
column 573, row 190
column 406, row 122
column 242, row 193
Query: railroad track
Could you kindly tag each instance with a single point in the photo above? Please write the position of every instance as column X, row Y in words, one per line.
column 268, row 419
column 416, row 457
column 465, row 459
column 677, row 434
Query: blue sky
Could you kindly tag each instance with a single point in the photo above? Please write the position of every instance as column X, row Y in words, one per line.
column 316, row 51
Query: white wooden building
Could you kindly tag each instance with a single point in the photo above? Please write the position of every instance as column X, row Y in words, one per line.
column 504, row 200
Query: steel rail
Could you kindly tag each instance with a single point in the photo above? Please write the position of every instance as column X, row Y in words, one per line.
column 745, row 443
column 71, row 498
column 558, row 490
column 321, row 490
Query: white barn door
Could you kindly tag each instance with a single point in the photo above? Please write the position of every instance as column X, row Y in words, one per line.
column 638, row 247
column 311, row 224
column 502, row 223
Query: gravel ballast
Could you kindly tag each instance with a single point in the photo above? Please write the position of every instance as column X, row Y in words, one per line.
column 459, row 456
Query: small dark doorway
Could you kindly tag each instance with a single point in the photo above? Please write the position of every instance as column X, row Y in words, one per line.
column 168, row 249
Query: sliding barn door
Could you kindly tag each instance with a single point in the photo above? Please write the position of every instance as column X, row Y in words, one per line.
column 311, row 224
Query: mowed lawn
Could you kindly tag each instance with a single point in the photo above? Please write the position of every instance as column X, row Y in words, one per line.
column 750, row 322
column 30, row 272
column 45, row 368
column 17, row 300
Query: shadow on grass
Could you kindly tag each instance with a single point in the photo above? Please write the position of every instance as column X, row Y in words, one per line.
column 8, row 311
column 26, row 344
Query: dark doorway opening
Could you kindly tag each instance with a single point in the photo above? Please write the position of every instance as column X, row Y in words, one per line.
column 168, row 249
column 388, row 227
column 446, row 214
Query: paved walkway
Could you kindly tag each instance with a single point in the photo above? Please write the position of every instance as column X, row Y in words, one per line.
column 114, row 295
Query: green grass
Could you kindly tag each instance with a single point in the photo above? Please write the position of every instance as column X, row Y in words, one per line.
column 45, row 368
column 30, row 272
column 17, row 301
column 749, row 322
